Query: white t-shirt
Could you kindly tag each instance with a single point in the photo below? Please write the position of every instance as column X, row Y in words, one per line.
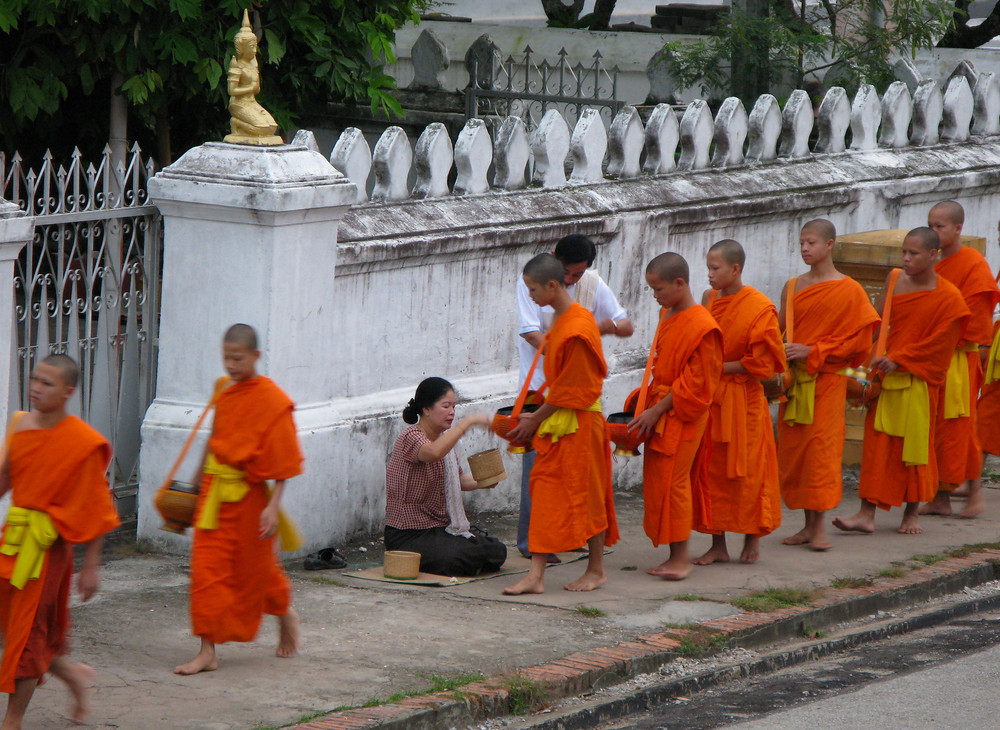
column 532, row 318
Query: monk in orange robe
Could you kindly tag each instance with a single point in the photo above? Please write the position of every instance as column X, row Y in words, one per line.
column 55, row 470
column 742, row 485
column 830, row 329
column 571, row 494
column 687, row 368
column 235, row 574
column 959, row 452
column 923, row 315
column 988, row 408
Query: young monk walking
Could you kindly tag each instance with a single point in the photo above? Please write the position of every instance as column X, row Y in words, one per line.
column 571, row 498
column 742, row 484
column 988, row 408
column 959, row 452
column 687, row 367
column 923, row 315
column 235, row 574
column 55, row 470
column 828, row 323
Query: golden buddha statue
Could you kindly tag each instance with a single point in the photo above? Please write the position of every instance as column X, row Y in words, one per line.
column 250, row 123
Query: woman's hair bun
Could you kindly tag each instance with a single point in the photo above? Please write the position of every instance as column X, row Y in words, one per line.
column 410, row 414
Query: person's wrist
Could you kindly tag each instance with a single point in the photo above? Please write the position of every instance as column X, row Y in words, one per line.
column 614, row 327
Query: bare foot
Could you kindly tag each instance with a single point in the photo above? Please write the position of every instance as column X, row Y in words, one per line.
column 909, row 526
column 526, row 585
column 587, row 582
column 799, row 538
column 962, row 492
column 288, row 634
column 940, row 505
column 859, row 523
column 975, row 506
column 79, row 678
column 751, row 549
column 713, row 555
column 205, row 661
column 820, row 544
column 672, row 569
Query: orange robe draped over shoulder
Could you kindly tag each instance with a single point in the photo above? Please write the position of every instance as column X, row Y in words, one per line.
column 571, row 493
column 924, row 328
column 837, row 319
column 687, row 363
column 742, row 485
column 235, row 576
column 988, row 413
column 959, row 452
column 60, row 471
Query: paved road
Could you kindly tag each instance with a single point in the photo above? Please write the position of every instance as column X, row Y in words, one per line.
column 945, row 677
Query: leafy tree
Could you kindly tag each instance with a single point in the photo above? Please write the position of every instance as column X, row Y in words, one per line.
column 65, row 63
column 762, row 45
column 566, row 14
column 963, row 35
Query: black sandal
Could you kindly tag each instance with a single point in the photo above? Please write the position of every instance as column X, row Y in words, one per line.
column 326, row 559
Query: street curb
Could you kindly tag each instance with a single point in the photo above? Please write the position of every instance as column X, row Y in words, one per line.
column 605, row 666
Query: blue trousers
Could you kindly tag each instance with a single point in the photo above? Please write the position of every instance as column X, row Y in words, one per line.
column 524, row 516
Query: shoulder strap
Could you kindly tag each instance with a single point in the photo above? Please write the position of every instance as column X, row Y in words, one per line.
column 883, row 328
column 523, row 395
column 11, row 428
column 790, row 309
column 220, row 385
column 640, row 404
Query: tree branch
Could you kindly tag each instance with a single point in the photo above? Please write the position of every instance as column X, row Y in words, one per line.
column 964, row 36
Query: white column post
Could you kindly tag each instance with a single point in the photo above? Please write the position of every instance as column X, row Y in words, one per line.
column 16, row 229
column 250, row 235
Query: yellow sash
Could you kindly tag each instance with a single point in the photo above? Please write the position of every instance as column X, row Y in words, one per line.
column 29, row 534
column 563, row 422
column 229, row 485
column 956, row 384
column 993, row 362
column 904, row 410
column 801, row 397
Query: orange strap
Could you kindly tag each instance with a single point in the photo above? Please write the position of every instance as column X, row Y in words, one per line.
column 883, row 328
column 790, row 309
column 11, row 428
column 220, row 385
column 640, row 405
column 523, row 395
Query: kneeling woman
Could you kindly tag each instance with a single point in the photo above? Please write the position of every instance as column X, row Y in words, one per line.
column 424, row 484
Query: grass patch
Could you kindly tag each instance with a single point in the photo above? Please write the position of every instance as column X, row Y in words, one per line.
column 891, row 573
column 928, row 559
column 697, row 640
column 590, row 611
column 771, row 599
column 631, row 567
column 688, row 597
column 327, row 581
column 967, row 550
column 851, row 582
column 438, row 684
column 810, row 633
column 525, row 694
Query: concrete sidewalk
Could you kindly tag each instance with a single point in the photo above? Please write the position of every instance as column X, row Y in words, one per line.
column 365, row 641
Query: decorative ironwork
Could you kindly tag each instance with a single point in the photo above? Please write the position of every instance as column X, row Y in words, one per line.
column 88, row 285
column 527, row 88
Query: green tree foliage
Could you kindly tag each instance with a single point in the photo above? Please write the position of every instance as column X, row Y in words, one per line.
column 61, row 60
column 762, row 45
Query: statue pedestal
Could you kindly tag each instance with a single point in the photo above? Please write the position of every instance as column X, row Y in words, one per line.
column 250, row 235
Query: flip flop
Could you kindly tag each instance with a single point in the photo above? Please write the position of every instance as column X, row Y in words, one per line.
column 326, row 559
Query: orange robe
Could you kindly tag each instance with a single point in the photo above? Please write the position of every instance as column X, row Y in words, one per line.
column 235, row 576
column 837, row 319
column 988, row 413
column 60, row 471
column 687, row 363
column 571, row 492
column 742, row 484
column 924, row 328
column 959, row 452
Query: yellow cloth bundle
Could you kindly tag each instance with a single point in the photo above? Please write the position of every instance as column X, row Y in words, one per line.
column 904, row 410
column 229, row 485
column 992, row 372
column 564, row 422
column 956, row 383
column 801, row 395
column 29, row 534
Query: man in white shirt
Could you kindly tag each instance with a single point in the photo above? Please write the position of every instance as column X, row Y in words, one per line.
column 577, row 253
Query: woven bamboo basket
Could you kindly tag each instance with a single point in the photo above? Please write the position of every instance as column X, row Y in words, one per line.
column 487, row 467
column 401, row 565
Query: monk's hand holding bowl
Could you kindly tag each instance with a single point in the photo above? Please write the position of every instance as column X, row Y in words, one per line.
column 795, row 351
column 884, row 364
column 527, row 424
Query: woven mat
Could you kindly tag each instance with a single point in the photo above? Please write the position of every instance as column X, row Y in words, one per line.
column 515, row 564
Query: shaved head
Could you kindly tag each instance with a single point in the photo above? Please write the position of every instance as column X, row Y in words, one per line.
column 822, row 228
column 927, row 238
column 730, row 251
column 952, row 210
column 69, row 371
column 243, row 335
column 545, row 268
column 669, row 267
